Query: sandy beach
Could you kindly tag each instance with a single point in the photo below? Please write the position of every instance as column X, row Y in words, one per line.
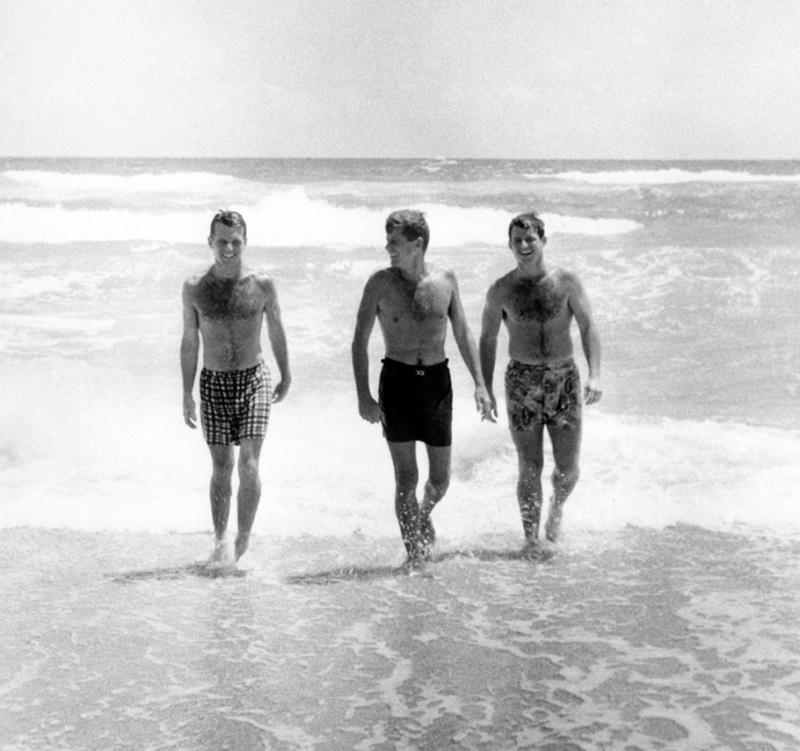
column 620, row 641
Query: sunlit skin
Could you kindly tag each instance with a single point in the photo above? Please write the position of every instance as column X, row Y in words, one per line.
column 225, row 309
column 537, row 306
column 412, row 303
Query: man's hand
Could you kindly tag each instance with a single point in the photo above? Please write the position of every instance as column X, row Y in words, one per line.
column 485, row 404
column 369, row 409
column 592, row 392
column 280, row 391
column 189, row 411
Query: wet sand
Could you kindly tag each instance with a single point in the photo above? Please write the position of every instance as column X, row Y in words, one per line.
column 640, row 639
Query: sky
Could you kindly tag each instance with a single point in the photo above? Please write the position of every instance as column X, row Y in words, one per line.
column 648, row 79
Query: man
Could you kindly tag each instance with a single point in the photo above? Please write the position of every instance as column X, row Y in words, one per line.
column 226, row 307
column 542, row 381
column 412, row 302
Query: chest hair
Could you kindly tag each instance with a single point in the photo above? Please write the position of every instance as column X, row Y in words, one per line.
column 225, row 299
column 536, row 300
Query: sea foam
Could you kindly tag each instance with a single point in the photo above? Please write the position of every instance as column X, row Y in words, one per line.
column 283, row 218
column 671, row 176
column 67, row 183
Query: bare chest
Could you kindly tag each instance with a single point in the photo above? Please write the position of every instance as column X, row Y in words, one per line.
column 541, row 302
column 229, row 300
column 417, row 303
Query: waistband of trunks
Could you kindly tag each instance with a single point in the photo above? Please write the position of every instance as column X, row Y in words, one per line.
column 237, row 373
column 565, row 363
column 419, row 370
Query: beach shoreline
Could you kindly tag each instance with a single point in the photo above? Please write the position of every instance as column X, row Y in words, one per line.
column 620, row 641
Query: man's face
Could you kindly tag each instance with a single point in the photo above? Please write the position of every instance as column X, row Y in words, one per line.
column 227, row 244
column 526, row 245
column 401, row 251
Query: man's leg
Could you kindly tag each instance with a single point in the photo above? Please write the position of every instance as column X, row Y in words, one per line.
column 249, row 491
column 406, row 476
column 435, row 488
column 220, row 494
column 566, row 452
column 529, row 481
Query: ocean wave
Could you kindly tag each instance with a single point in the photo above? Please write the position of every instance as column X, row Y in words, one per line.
column 650, row 473
column 671, row 176
column 69, row 183
column 284, row 218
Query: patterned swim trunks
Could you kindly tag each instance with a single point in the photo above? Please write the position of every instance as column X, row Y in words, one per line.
column 543, row 394
column 234, row 404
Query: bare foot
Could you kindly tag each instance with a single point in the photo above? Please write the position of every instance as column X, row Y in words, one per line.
column 427, row 535
column 552, row 528
column 537, row 550
column 413, row 565
column 531, row 550
column 221, row 557
column 242, row 543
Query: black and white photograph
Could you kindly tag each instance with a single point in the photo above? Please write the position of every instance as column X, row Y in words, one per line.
column 400, row 376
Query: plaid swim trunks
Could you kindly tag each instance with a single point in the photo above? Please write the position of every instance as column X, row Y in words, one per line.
column 543, row 394
column 234, row 404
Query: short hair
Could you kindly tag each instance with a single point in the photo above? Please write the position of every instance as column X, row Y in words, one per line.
column 528, row 220
column 412, row 224
column 229, row 219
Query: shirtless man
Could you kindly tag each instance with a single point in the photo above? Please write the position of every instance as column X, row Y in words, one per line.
column 226, row 307
column 412, row 302
column 542, row 381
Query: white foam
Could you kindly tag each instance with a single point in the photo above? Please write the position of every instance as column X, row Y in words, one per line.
column 671, row 176
column 100, row 449
column 69, row 183
column 284, row 218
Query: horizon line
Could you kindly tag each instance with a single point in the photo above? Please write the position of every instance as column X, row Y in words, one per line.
column 411, row 158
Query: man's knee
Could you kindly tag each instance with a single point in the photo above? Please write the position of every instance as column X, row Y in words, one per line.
column 406, row 479
column 248, row 467
column 530, row 466
column 439, row 483
column 566, row 475
column 222, row 465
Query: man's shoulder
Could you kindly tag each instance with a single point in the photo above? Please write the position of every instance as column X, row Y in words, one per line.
column 502, row 285
column 564, row 277
column 441, row 274
column 264, row 281
column 191, row 283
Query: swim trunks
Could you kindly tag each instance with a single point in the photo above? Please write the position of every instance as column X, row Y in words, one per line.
column 234, row 404
column 543, row 394
column 416, row 402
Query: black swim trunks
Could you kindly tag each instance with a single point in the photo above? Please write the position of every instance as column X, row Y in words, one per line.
column 416, row 403
column 543, row 394
column 234, row 404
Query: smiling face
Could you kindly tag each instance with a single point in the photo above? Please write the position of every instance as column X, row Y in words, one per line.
column 403, row 253
column 228, row 243
column 527, row 246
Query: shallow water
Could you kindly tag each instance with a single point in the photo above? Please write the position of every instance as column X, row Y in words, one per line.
column 667, row 620
column 623, row 640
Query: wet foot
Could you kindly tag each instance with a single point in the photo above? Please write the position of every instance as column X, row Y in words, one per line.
column 413, row 565
column 221, row 557
column 531, row 550
column 537, row 550
column 427, row 535
column 552, row 528
column 242, row 543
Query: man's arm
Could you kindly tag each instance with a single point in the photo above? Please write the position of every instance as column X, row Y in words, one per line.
column 590, row 339
column 468, row 349
column 368, row 408
column 277, row 340
column 490, row 325
column 190, row 349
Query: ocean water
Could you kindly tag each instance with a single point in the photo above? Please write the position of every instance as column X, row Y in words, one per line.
column 668, row 617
